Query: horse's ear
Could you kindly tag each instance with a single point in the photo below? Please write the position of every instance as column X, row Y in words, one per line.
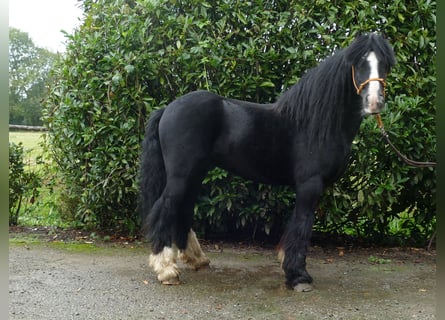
column 358, row 34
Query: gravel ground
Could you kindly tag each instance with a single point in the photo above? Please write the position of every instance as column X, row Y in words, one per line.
column 58, row 280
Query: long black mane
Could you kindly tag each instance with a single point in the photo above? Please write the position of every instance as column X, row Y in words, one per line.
column 322, row 98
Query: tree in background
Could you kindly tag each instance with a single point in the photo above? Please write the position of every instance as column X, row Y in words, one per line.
column 29, row 68
column 131, row 57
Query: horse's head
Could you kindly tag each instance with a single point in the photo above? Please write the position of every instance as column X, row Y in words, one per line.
column 369, row 79
column 371, row 57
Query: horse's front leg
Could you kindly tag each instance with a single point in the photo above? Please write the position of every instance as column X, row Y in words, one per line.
column 295, row 241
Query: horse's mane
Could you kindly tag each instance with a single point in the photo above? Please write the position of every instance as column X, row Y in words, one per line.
column 323, row 95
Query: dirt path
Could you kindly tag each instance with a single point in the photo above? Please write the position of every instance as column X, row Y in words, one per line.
column 84, row 281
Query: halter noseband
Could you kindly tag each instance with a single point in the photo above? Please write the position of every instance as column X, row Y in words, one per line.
column 364, row 83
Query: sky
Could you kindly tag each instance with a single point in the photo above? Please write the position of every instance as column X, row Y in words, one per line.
column 43, row 20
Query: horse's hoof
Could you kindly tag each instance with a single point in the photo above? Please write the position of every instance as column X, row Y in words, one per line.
column 203, row 264
column 303, row 287
column 195, row 263
column 169, row 275
column 171, row 282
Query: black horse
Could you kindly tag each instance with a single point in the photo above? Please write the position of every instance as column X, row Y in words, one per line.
column 303, row 140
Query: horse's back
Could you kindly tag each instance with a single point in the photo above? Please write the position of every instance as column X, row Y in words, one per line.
column 246, row 138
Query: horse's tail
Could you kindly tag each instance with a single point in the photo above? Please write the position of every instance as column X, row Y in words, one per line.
column 152, row 171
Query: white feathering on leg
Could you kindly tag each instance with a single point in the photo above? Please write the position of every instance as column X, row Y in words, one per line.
column 164, row 264
column 193, row 254
column 281, row 256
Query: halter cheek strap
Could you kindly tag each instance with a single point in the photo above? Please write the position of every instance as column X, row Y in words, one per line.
column 364, row 83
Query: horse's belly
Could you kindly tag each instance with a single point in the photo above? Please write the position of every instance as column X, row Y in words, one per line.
column 254, row 162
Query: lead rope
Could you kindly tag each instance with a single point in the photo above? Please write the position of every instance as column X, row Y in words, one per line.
column 409, row 162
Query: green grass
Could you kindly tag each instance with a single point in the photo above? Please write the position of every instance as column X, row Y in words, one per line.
column 31, row 143
column 75, row 246
column 377, row 260
column 29, row 240
column 24, row 240
column 72, row 246
column 43, row 210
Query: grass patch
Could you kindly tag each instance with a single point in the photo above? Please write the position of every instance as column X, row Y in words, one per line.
column 24, row 240
column 80, row 247
column 29, row 241
column 41, row 210
column 377, row 260
column 31, row 144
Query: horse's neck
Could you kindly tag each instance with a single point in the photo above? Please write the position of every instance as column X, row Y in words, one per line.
column 351, row 121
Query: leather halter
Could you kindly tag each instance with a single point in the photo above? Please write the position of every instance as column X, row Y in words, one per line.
column 364, row 83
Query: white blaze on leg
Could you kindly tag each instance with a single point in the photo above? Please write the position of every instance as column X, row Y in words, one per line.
column 193, row 254
column 374, row 86
column 164, row 264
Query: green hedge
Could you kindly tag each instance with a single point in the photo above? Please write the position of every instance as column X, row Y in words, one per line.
column 131, row 57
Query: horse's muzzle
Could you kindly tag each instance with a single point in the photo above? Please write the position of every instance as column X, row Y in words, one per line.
column 373, row 104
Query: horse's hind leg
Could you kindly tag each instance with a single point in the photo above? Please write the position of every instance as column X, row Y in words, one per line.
column 186, row 141
column 164, row 264
column 164, row 251
column 173, row 228
column 193, row 254
column 164, row 232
